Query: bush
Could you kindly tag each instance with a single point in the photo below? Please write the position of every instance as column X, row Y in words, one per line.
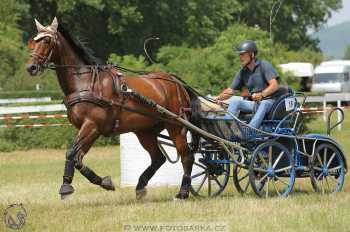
column 49, row 137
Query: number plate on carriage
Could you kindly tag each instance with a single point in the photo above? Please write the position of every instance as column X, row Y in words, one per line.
column 290, row 103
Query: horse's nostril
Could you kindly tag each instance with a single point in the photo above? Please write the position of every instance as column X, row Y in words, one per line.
column 32, row 68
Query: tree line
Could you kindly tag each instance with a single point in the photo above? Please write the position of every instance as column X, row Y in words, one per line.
column 197, row 37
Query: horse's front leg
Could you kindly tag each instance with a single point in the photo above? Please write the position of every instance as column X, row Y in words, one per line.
column 74, row 159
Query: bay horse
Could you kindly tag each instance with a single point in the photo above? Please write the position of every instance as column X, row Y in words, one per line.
column 98, row 104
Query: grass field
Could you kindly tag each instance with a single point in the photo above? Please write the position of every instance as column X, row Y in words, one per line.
column 34, row 177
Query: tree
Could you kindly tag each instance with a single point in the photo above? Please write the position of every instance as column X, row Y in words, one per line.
column 14, row 53
column 347, row 53
column 293, row 21
column 121, row 26
column 212, row 69
column 11, row 46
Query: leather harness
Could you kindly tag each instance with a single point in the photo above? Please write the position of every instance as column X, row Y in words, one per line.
column 94, row 95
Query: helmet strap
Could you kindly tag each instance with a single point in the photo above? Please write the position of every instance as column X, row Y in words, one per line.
column 252, row 57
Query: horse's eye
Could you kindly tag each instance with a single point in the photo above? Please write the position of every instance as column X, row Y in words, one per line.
column 47, row 40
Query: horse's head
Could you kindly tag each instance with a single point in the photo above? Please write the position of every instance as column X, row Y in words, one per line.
column 42, row 46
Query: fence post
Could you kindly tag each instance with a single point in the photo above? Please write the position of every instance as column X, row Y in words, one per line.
column 339, row 115
column 324, row 109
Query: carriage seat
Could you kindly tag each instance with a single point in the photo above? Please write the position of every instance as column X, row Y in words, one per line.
column 235, row 131
column 278, row 110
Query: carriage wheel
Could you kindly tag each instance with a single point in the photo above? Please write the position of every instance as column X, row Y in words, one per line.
column 271, row 170
column 210, row 174
column 241, row 178
column 327, row 169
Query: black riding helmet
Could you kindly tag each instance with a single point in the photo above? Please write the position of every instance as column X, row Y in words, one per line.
column 247, row 46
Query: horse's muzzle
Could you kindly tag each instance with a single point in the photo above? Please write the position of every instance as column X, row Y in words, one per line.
column 33, row 69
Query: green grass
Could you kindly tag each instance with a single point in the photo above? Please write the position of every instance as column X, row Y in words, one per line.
column 34, row 177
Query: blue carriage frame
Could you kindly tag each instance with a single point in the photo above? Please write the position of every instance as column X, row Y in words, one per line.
column 280, row 132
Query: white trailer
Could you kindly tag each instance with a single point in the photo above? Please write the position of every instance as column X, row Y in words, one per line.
column 332, row 77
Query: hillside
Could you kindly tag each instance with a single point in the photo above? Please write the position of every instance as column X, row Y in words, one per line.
column 334, row 39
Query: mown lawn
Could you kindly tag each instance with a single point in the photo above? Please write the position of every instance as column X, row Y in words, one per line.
column 34, row 177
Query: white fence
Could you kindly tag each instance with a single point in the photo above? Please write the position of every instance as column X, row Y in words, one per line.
column 12, row 113
column 32, row 109
column 328, row 98
column 24, row 100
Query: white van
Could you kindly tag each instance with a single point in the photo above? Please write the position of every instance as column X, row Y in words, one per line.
column 332, row 76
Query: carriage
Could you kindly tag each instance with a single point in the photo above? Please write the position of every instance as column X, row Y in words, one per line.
column 101, row 100
column 268, row 159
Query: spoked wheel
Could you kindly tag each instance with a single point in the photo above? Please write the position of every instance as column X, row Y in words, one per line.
column 327, row 169
column 241, row 178
column 210, row 174
column 240, row 174
column 271, row 170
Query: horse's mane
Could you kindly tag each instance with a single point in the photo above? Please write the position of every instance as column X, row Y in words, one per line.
column 79, row 47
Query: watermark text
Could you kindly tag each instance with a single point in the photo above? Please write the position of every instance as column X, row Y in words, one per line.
column 176, row 227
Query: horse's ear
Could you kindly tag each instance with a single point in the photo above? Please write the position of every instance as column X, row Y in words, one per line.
column 54, row 24
column 39, row 27
column 31, row 43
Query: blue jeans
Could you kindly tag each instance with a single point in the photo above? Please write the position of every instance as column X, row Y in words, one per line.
column 260, row 108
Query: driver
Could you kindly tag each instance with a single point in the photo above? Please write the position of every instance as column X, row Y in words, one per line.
column 260, row 79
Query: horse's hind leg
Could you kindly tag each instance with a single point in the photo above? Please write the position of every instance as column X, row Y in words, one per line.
column 149, row 142
column 74, row 159
column 187, row 159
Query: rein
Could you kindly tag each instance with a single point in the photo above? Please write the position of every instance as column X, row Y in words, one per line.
column 111, row 66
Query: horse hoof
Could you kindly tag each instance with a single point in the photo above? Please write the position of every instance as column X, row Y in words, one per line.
column 181, row 196
column 66, row 190
column 141, row 194
column 107, row 183
column 66, row 197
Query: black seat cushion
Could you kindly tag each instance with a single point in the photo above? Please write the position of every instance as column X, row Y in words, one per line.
column 278, row 110
column 282, row 91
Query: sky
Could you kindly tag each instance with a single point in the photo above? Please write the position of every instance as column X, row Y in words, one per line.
column 340, row 16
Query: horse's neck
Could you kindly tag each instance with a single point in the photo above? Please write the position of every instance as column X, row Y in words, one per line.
column 67, row 74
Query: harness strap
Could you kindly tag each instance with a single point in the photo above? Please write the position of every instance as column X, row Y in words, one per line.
column 85, row 96
column 95, row 97
column 88, row 96
column 118, row 80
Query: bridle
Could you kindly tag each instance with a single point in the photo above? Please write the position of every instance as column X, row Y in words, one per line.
column 42, row 61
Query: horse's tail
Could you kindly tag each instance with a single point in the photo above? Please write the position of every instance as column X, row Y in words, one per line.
column 195, row 119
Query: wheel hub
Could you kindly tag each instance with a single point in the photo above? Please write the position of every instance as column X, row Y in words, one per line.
column 325, row 171
column 270, row 172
